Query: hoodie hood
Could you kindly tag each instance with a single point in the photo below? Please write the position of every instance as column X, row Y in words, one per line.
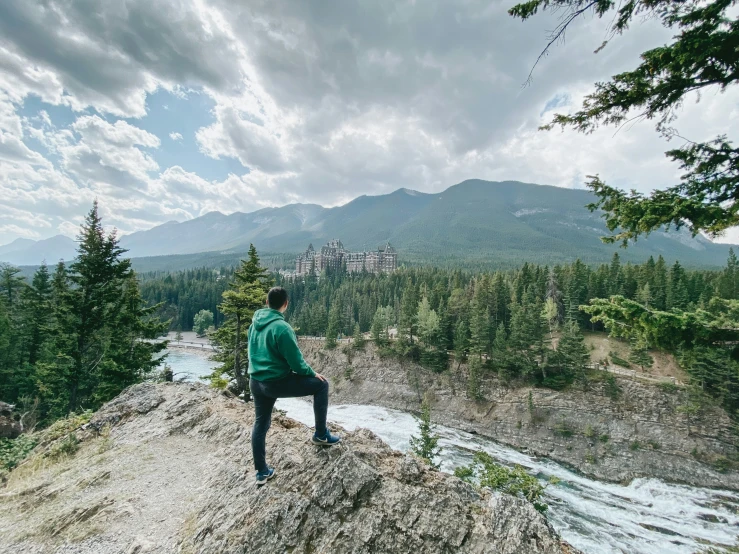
column 264, row 317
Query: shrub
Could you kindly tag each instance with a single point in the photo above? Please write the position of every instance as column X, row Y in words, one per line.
column 66, row 447
column 349, row 373
column 63, row 427
column 486, row 472
column 618, row 361
column 564, row 429
column 603, row 438
column 668, row 387
column 636, row 445
column 14, row 451
column 611, row 388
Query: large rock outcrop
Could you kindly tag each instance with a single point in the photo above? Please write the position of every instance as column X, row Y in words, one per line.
column 643, row 433
column 167, row 468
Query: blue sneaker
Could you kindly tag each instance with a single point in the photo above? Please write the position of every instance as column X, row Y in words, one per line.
column 327, row 440
column 264, row 476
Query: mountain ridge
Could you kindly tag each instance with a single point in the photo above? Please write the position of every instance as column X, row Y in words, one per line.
column 475, row 221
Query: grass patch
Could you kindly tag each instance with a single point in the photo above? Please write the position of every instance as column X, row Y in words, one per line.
column 634, row 446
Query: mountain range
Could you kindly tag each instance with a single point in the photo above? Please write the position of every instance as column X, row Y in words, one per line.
column 472, row 223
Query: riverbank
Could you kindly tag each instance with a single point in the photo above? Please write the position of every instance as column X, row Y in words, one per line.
column 642, row 433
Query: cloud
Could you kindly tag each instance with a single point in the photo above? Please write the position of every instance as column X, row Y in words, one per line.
column 306, row 103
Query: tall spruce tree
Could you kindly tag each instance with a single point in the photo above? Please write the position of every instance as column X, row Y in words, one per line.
column 100, row 323
column 246, row 294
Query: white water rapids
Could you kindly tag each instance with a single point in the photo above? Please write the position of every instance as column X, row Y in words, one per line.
column 647, row 516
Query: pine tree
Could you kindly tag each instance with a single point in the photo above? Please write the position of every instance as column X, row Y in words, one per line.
column 677, row 292
column 480, row 343
column 99, row 322
column 334, row 324
column 659, row 286
column 251, row 271
column 38, row 312
column 729, row 281
column 639, row 354
column 500, row 358
column 357, row 337
column 461, row 341
column 245, row 295
column 474, row 379
column 426, row 445
column 408, row 311
column 573, row 355
column 129, row 359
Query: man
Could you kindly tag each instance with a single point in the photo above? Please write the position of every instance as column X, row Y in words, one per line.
column 277, row 370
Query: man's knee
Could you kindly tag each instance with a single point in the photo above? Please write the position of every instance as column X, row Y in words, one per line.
column 324, row 385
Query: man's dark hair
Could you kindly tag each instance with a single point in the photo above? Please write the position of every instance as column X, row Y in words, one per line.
column 276, row 298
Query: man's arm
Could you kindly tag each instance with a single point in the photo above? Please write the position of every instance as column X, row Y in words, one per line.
column 287, row 344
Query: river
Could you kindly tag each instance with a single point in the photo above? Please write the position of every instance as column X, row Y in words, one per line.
column 647, row 516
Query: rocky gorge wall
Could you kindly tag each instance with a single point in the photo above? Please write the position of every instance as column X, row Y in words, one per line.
column 167, row 468
column 643, row 433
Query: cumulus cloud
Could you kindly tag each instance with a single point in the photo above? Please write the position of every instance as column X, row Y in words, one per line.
column 313, row 102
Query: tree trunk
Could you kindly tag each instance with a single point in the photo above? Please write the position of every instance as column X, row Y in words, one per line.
column 237, row 357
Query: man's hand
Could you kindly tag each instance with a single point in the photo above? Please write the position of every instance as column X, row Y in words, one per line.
column 321, row 377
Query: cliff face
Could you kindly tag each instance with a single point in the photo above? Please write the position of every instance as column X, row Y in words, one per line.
column 642, row 434
column 167, row 468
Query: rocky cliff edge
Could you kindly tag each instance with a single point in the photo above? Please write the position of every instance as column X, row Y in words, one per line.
column 168, row 468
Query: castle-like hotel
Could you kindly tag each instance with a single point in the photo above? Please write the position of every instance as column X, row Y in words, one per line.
column 333, row 255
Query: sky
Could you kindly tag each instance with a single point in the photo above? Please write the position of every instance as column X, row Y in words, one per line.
column 171, row 109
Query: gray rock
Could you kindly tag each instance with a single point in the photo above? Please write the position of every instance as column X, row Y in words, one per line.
column 179, row 478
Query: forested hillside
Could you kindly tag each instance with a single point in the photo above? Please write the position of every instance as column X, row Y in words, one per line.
column 525, row 324
column 71, row 338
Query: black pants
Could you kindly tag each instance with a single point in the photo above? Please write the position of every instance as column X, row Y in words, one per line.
column 265, row 393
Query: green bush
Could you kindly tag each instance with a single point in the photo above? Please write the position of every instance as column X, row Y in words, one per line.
column 486, row 472
column 14, row 451
column 66, row 447
column 668, row 387
column 63, row 427
column 563, row 429
column 636, row 445
column 619, row 361
column 611, row 388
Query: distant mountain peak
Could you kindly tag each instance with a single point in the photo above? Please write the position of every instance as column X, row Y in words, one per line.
column 410, row 192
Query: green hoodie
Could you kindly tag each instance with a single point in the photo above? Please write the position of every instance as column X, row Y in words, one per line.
column 273, row 348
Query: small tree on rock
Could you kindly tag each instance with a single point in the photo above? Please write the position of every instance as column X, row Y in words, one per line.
column 426, row 446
